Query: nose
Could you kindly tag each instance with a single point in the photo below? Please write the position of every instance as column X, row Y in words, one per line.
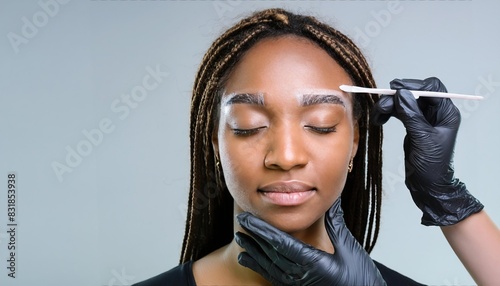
column 286, row 149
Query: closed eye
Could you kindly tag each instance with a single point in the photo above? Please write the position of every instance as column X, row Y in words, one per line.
column 322, row 130
column 246, row 132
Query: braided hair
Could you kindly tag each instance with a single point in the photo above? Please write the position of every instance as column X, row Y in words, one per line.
column 210, row 217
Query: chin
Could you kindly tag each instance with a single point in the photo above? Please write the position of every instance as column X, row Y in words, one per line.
column 291, row 221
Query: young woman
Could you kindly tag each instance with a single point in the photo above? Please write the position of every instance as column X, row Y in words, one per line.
column 286, row 168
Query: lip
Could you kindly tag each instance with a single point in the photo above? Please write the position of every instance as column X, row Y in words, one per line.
column 289, row 193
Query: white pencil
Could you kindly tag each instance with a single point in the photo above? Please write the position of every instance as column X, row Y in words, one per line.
column 416, row 93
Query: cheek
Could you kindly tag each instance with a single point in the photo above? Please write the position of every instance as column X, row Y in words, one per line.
column 241, row 162
column 333, row 175
column 331, row 160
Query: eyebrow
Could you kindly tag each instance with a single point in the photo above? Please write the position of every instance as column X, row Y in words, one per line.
column 313, row 99
column 245, row 98
column 307, row 99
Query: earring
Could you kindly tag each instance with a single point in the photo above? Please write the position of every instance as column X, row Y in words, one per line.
column 217, row 162
column 349, row 168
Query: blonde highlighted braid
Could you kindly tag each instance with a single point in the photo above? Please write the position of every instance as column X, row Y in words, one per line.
column 209, row 224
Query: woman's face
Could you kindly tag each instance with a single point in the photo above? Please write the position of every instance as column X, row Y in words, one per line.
column 286, row 132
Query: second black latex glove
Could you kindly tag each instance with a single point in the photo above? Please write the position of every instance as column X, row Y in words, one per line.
column 284, row 260
column 431, row 130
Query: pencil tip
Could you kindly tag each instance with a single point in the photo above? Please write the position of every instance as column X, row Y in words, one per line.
column 346, row 88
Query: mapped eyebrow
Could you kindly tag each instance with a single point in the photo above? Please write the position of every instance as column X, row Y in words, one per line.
column 306, row 99
column 245, row 98
column 313, row 99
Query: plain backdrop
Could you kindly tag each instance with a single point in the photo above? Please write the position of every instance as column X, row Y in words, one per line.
column 103, row 177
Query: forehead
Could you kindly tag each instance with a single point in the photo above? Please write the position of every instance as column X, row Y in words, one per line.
column 286, row 65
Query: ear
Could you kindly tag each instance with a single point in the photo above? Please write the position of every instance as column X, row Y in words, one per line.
column 355, row 141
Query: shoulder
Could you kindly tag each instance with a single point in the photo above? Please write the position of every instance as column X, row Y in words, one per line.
column 181, row 275
column 394, row 278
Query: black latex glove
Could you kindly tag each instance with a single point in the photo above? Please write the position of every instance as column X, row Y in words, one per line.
column 431, row 129
column 284, row 260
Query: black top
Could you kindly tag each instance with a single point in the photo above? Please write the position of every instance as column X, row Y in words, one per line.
column 182, row 275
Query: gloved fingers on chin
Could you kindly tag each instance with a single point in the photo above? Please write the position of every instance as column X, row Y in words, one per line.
column 335, row 212
column 249, row 244
column 262, row 251
column 335, row 222
column 259, row 228
column 287, row 254
column 273, row 271
column 339, row 234
column 382, row 110
column 344, row 243
column 265, row 270
column 274, row 241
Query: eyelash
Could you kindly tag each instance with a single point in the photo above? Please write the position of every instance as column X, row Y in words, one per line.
column 322, row 130
column 246, row 132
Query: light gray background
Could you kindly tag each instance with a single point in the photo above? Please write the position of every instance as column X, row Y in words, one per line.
column 118, row 217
